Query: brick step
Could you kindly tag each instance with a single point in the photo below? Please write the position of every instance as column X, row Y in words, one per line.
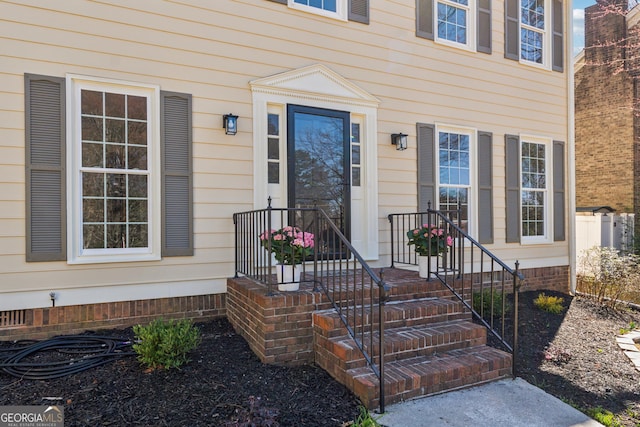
column 426, row 375
column 341, row 353
column 403, row 285
column 396, row 314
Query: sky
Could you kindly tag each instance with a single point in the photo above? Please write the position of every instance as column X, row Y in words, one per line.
column 578, row 23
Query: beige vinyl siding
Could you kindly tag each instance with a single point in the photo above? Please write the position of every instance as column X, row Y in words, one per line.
column 212, row 50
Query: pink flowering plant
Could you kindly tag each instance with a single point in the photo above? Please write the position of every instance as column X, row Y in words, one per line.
column 290, row 245
column 429, row 240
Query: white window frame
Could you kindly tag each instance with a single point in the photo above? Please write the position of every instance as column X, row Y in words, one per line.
column 472, row 213
column 471, row 24
column 546, row 36
column 75, row 252
column 548, row 199
column 340, row 14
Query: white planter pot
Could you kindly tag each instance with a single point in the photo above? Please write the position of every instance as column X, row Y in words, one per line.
column 288, row 277
column 423, row 265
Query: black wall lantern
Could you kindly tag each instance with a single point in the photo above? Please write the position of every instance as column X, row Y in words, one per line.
column 399, row 140
column 230, row 124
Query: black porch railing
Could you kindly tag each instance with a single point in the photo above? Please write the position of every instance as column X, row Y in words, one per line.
column 332, row 265
column 484, row 284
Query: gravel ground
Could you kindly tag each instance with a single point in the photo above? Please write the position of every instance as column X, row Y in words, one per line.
column 573, row 356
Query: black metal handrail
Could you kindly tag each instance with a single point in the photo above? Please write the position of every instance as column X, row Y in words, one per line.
column 356, row 292
column 475, row 276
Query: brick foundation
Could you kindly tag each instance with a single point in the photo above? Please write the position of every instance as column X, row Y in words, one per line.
column 546, row 278
column 277, row 327
column 50, row 321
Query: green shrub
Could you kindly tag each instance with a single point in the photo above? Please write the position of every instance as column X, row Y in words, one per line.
column 484, row 301
column 549, row 303
column 165, row 345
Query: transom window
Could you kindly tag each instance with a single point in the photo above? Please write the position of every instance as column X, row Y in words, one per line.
column 330, row 8
column 454, row 172
column 534, row 195
column 532, row 31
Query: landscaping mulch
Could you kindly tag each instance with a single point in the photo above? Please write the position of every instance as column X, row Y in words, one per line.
column 573, row 356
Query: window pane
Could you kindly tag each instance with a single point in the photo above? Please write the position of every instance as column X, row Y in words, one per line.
column 533, row 13
column 92, row 155
column 138, row 236
column 114, row 130
column 92, row 184
column 93, row 210
column 116, row 210
column 114, row 105
column 93, row 236
column 273, row 172
column 452, row 23
column 137, row 186
column 273, row 121
column 273, row 149
column 91, row 102
column 115, row 156
column 137, row 133
column 355, row 177
column 531, row 46
column 355, row 154
column 137, row 210
column 115, row 136
column 355, row 132
column 137, row 107
column 92, row 129
column 116, row 185
column 116, row 236
column 137, row 158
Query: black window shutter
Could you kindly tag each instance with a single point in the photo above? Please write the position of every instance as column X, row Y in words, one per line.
column 511, row 30
column 177, row 180
column 558, row 36
column 46, row 204
column 558, row 191
column 484, row 26
column 359, row 11
column 485, row 187
column 424, row 19
column 426, row 169
column 512, row 157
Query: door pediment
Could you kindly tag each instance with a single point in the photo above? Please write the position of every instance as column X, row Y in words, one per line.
column 315, row 82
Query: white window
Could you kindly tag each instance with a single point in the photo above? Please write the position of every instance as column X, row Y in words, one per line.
column 331, row 8
column 534, row 197
column 455, row 22
column 535, row 19
column 113, row 181
column 456, row 165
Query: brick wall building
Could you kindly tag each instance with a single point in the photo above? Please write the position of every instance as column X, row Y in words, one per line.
column 606, row 127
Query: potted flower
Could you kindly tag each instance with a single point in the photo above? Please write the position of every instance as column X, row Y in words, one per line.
column 290, row 246
column 430, row 241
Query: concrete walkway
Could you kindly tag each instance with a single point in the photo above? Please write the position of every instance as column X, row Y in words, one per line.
column 504, row 403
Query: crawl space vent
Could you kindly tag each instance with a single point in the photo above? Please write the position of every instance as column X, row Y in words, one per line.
column 10, row 318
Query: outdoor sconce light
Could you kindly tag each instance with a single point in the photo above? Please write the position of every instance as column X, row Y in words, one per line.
column 230, row 124
column 399, row 140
